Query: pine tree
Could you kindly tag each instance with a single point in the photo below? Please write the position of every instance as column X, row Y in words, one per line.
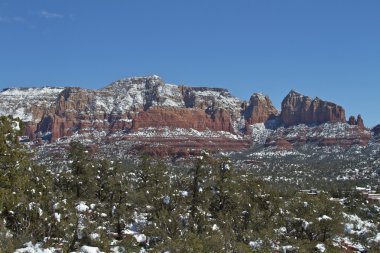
column 82, row 170
column 25, row 189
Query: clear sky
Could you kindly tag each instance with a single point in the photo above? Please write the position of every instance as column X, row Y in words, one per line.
column 324, row 48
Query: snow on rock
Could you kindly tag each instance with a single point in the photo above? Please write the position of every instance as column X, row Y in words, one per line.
column 135, row 92
column 18, row 102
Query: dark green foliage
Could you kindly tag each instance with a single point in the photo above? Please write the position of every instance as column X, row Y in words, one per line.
column 82, row 169
column 24, row 190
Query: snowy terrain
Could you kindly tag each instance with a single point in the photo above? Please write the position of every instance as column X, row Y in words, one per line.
column 19, row 101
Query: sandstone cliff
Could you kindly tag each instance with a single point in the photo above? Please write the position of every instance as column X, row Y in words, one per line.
column 259, row 109
column 198, row 119
column 298, row 109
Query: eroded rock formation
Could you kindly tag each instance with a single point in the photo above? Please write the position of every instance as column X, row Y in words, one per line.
column 356, row 122
column 259, row 109
column 298, row 109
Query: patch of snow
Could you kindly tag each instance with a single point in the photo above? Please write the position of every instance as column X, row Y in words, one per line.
column 321, row 247
column 16, row 125
column 57, row 216
column 89, row 249
column 82, row 207
column 34, row 248
column 256, row 244
column 140, row 238
column 324, row 217
column 184, row 193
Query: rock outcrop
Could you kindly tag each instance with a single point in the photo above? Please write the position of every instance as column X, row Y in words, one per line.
column 259, row 109
column 359, row 122
column 351, row 120
column 31, row 105
column 298, row 109
column 356, row 122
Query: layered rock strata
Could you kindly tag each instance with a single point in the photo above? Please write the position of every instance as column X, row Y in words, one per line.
column 298, row 109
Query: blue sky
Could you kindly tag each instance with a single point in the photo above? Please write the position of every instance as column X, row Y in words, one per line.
column 324, row 48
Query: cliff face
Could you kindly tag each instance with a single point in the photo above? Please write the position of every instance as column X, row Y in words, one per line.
column 84, row 110
column 298, row 109
column 259, row 110
column 31, row 105
column 197, row 119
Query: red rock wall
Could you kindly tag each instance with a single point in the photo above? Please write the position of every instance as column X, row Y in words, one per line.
column 299, row 109
column 183, row 118
column 259, row 109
